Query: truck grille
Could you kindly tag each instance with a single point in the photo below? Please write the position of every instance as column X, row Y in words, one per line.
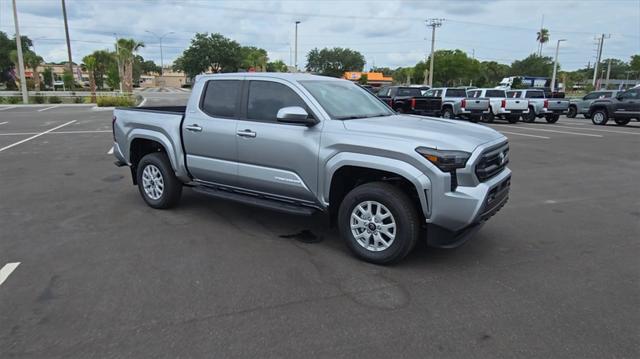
column 492, row 161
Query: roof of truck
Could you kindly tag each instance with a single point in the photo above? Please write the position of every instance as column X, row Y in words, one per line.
column 300, row 76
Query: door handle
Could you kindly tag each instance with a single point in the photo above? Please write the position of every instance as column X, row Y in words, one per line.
column 246, row 133
column 194, row 128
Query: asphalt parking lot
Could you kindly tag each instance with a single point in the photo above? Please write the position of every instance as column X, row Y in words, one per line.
column 554, row 274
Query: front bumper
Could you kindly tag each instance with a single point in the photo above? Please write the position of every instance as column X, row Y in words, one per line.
column 458, row 215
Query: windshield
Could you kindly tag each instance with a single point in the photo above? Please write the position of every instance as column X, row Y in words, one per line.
column 344, row 100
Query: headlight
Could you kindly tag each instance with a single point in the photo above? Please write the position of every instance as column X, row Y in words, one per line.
column 446, row 161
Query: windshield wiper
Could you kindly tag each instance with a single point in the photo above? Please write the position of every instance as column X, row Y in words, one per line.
column 354, row 117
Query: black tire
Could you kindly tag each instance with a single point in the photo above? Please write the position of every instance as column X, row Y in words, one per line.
column 489, row 117
column 552, row 118
column 622, row 121
column 447, row 112
column 403, row 210
column 573, row 112
column 475, row 119
column 513, row 118
column 172, row 187
column 599, row 117
column 530, row 116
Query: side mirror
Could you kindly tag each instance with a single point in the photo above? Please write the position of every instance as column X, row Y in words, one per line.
column 295, row 115
column 619, row 96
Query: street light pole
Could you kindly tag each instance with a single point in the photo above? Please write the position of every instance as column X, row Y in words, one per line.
column 23, row 80
column 433, row 23
column 296, row 47
column 555, row 66
column 160, row 40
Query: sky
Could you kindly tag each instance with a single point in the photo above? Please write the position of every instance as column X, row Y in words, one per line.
column 388, row 33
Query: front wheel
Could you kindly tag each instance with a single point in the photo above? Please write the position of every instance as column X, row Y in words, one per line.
column 379, row 222
column 599, row 117
column 157, row 182
column 622, row 121
column 573, row 112
column 530, row 116
column 552, row 118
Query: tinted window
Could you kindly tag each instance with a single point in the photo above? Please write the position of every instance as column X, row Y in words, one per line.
column 433, row 93
column 220, row 98
column 534, row 94
column 495, row 93
column 606, row 95
column 456, row 93
column 593, row 96
column 473, row 94
column 631, row 94
column 384, row 91
column 407, row 91
column 266, row 98
column 514, row 94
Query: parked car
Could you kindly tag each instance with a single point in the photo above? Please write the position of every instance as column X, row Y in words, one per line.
column 410, row 99
column 500, row 106
column 303, row 144
column 581, row 106
column 455, row 103
column 540, row 106
column 621, row 108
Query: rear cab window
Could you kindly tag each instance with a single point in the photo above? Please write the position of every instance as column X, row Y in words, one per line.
column 534, row 94
column 474, row 93
column 495, row 93
column 409, row 91
column 220, row 98
column 514, row 94
column 455, row 93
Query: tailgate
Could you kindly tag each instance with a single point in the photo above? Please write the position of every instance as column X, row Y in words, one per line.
column 428, row 103
column 516, row 104
column 477, row 104
column 558, row 104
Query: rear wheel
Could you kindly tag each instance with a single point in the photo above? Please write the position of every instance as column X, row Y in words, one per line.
column 489, row 117
column 513, row 118
column 599, row 117
column 379, row 222
column 622, row 121
column 447, row 112
column 157, row 182
column 552, row 118
column 530, row 116
column 573, row 112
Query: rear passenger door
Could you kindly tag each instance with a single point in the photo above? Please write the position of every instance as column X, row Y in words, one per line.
column 275, row 158
column 209, row 133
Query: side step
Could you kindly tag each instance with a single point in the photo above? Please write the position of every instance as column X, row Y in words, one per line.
column 262, row 202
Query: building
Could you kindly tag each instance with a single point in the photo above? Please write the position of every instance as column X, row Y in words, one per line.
column 375, row 79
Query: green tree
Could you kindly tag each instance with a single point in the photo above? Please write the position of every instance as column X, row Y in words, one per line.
column 47, row 74
column 277, row 66
column 127, row 49
column 533, row 65
column 89, row 64
column 253, row 57
column 402, row 75
column 104, row 60
column 542, row 37
column 33, row 61
column 113, row 76
column 386, row 71
column 634, row 64
column 334, row 62
column 618, row 68
column 67, row 79
column 364, row 79
column 491, row 73
column 452, row 68
column 214, row 53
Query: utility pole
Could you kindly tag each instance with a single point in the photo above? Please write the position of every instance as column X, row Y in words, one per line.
column 66, row 31
column 160, row 40
column 23, row 80
column 595, row 66
column 555, row 66
column 608, row 72
column 433, row 23
column 296, row 47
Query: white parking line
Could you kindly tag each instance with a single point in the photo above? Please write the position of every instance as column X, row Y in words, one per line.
column 7, row 108
column 36, row 136
column 4, row 123
column 110, row 152
column 52, row 133
column 6, row 271
column 46, row 108
column 599, row 130
column 520, row 127
column 527, row 135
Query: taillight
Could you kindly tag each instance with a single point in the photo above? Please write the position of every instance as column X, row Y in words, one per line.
column 546, row 103
column 504, row 103
column 463, row 104
column 113, row 127
column 413, row 103
column 390, row 102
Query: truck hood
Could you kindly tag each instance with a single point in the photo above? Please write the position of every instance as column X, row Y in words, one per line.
column 426, row 131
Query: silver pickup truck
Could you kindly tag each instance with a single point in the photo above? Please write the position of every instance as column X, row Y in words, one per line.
column 302, row 144
column 540, row 106
column 456, row 104
column 500, row 106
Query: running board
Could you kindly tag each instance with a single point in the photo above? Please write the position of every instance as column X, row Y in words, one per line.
column 271, row 204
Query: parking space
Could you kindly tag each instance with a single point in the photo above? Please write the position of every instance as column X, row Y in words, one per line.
column 554, row 273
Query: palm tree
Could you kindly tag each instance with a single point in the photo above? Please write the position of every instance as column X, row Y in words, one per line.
column 542, row 37
column 90, row 63
column 33, row 61
column 126, row 51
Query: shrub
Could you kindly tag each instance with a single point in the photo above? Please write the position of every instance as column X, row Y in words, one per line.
column 78, row 99
column 2, row 99
column 14, row 100
column 38, row 99
column 54, row 99
column 115, row 101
